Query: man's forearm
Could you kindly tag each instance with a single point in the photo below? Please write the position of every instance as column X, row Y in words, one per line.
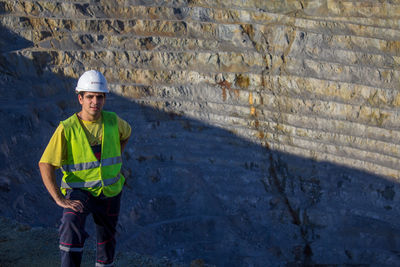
column 49, row 180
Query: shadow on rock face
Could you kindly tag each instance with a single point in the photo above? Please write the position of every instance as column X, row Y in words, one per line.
column 11, row 41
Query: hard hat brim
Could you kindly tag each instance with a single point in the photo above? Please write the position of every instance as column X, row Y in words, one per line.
column 78, row 89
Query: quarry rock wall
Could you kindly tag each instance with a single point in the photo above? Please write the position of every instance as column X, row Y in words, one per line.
column 263, row 131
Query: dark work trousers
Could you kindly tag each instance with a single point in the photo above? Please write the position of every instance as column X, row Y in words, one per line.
column 105, row 211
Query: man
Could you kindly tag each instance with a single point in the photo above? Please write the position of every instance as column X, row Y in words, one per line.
column 87, row 147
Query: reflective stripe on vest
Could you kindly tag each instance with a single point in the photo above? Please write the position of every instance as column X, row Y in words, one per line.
column 90, row 184
column 91, row 165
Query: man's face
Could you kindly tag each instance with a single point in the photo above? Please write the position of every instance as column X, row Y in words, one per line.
column 92, row 103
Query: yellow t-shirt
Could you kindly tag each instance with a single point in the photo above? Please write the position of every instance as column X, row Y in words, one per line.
column 56, row 151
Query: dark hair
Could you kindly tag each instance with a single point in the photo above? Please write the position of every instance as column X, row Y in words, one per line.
column 82, row 93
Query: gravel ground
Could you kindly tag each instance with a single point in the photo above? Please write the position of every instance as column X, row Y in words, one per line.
column 23, row 245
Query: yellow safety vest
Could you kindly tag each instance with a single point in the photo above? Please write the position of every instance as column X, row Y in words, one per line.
column 82, row 169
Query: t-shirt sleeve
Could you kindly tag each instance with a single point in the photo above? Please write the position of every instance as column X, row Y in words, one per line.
column 56, row 151
column 124, row 129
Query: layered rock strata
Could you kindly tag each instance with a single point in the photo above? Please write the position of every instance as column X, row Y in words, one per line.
column 307, row 78
column 280, row 115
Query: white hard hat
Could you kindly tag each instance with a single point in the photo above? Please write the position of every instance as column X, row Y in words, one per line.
column 92, row 81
